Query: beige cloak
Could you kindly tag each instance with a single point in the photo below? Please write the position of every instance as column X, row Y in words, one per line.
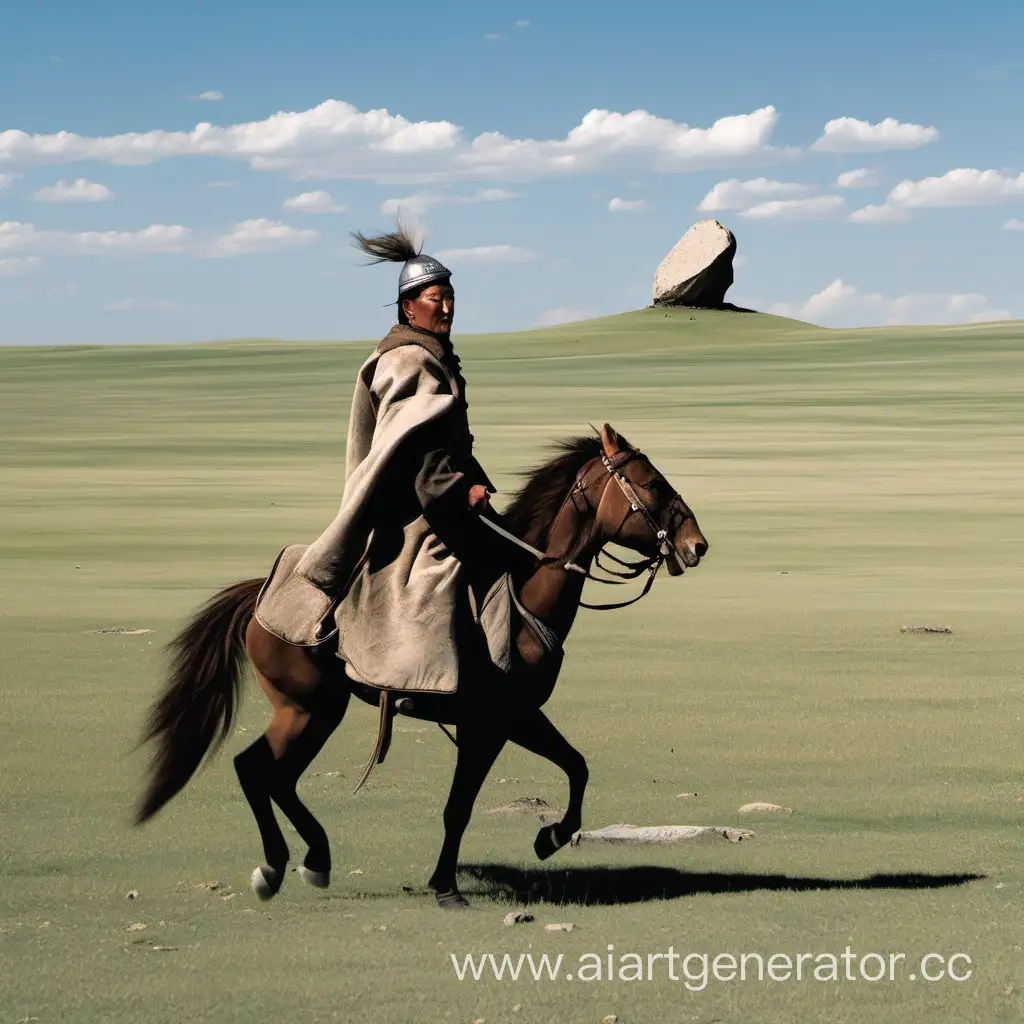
column 389, row 583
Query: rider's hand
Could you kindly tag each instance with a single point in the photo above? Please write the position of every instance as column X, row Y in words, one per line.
column 479, row 499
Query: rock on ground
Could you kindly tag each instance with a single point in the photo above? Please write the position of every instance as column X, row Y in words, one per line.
column 660, row 834
column 698, row 271
column 760, row 806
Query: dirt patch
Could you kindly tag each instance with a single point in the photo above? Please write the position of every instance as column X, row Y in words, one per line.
column 122, row 630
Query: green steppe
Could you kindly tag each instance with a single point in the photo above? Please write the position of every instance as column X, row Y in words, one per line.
column 849, row 482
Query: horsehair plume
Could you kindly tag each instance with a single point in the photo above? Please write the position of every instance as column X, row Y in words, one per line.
column 396, row 246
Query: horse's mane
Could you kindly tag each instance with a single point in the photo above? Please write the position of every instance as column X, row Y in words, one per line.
column 532, row 509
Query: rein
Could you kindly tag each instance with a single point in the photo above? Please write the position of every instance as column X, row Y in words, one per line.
column 633, row 569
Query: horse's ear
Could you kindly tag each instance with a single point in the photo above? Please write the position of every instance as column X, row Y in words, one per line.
column 610, row 441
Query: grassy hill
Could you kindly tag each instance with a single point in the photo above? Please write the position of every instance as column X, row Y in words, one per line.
column 849, row 482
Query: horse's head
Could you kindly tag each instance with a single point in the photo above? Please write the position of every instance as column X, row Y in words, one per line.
column 639, row 509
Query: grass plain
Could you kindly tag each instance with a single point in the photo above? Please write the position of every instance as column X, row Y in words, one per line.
column 849, row 483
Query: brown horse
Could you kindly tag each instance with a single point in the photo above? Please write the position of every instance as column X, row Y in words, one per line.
column 569, row 508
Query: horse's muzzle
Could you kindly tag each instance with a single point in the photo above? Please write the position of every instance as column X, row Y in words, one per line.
column 686, row 553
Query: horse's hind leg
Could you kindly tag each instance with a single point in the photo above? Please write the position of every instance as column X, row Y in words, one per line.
column 269, row 770
column 254, row 767
column 479, row 746
column 313, row 730
column 535, row 732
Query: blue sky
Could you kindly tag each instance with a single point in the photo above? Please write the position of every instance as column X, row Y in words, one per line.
column 554, row 153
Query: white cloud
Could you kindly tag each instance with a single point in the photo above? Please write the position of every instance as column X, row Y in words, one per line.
column 563, row 315
column 627, row 205
column 862, row 177
column 78, row 191
column 814, row 208
column 210, row 96
column 16, row 266
column 257, row 235
column 965, row 186
column 608, row 139
column 8, row 179
column 848, row 135
column 420, row 202
column 842, row 305
column 741, row 195
column 1014, row 224
column 19, row 237
column 336, row 140
column 313, row 202
column 488, row 254
column 879, row 214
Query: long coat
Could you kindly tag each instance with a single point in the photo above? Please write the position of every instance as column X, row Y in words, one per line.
column 391, row 569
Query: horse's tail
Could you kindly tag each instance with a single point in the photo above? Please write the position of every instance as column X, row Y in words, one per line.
column 201, row 697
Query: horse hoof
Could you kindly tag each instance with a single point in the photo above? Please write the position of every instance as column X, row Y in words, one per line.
column 547, row 842
column 317, row 879
column 453, row 900
column 266, row 882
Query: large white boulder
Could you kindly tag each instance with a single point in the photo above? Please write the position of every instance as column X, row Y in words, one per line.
column 698, row 270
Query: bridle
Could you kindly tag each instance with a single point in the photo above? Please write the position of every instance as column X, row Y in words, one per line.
column 612, row 471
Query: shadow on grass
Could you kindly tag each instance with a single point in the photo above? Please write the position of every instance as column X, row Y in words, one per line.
column 611, row 886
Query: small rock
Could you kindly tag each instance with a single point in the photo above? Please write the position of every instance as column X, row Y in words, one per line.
column 230, row 896
column 661, row 834
column 132, row 894
column 565, row 927
column 747, row 808
column 137, row 927
column 518, row 917
column 684, row 795
column 612, row 1018
column 163, row 949
column 517, row 1007
column 356, row 871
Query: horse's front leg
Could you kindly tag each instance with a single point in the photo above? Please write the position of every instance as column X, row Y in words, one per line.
column 480, row 742
column 535, row 733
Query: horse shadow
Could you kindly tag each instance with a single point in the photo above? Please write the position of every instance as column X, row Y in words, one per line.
column 616, row 886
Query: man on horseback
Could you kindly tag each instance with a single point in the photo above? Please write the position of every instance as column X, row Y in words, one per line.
column 395, row 567
column 413, row 583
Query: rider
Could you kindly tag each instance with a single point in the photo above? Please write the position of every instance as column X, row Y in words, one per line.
column 407, row 546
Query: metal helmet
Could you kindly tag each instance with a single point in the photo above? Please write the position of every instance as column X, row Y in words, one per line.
column 419, row 271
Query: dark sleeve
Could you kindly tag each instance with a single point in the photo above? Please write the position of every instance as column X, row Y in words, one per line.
column 476, row 475
column 443, row 493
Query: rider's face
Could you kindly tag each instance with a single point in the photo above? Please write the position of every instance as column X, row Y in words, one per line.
column 433, row 309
